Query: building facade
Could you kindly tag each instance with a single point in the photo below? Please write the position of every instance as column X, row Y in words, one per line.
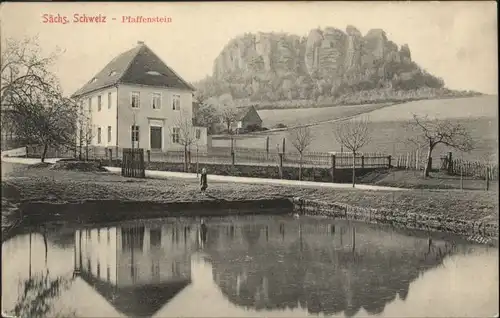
column 137, row 101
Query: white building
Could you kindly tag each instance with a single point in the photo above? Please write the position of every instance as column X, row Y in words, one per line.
column 137, row 101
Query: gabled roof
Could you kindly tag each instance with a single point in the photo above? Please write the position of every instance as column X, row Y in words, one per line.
column 139, row 65
column 243, row 111
column 136, row 301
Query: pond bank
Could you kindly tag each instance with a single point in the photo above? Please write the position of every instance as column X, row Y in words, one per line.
column 90, row 197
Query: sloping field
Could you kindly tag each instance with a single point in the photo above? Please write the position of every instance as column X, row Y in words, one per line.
column 306, row 116
column 389, row 126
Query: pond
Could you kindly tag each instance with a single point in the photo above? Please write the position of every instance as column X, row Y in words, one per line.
column 245, row 267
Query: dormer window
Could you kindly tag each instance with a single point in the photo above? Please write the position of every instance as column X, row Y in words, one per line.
column 155, row 73
column 112, row 73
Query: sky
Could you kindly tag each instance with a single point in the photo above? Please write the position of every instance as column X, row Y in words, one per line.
column 453, row 40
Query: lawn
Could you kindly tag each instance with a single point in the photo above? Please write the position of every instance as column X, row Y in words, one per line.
column 415, row 180
column 42, row 184
column 389, row 127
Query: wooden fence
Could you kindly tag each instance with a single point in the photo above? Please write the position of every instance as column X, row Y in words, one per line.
column 474, row 169
column 263, row 158
column 133, row 163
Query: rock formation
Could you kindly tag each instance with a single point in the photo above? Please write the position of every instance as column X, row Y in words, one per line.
column 280, row 66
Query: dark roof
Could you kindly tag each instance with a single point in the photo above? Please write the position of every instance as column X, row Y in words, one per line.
column 136, row 301
column 243, row 111
column 131, row 67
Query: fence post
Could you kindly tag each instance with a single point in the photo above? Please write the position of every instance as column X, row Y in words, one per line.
column 450, row 164
column 149, row 155
column 267, row 148
column 461, row 177
column 333, row 168
column 143, row 166
column 283, row 148
column 362, row 161
column 110, row 155
column 487, row 178
column 389, row 157
column 417, row 157
column 281, row 165
column 232, row 158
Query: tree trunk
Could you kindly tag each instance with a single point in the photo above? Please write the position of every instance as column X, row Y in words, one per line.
column 353, row 169
column 300, row 167
column 428, row 167
column 44, row 153
column 45, row 244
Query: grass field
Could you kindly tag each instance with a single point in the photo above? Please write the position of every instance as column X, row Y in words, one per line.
column 306, row 116
column 390, row 133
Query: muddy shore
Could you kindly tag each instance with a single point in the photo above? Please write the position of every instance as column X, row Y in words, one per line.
column 38, row 194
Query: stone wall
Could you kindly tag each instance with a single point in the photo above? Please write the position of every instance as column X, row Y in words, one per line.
column 395, row 217
column 271, row 172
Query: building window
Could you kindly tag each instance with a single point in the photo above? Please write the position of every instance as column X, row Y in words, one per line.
column 156, row 101
column 135, row 133
column 109, row 133
column 176, row 102
column 155, row 237
column 99, row 103
column 109, row 101
column 98, row 270
column 99, row 135
column 109, row 236
column 90, row 105
column 98, row 235
column 198, row 133
column 108, row 274
column 135, row 100
column 175, row 135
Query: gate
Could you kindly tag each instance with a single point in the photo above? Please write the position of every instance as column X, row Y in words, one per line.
column 133, row 163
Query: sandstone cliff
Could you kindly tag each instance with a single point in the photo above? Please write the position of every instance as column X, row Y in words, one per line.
column 326, row 63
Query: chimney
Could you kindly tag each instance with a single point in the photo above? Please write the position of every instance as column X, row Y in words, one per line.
column 140, row 42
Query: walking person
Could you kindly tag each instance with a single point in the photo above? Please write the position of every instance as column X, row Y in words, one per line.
column 203, row 180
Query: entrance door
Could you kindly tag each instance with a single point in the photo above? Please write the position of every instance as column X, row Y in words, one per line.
column 156, row 141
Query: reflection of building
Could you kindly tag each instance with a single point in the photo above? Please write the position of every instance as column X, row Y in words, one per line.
column 326, row 268
column 136, row 268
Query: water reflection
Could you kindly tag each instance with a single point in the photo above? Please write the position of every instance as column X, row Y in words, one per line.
column 261, row 265
column 136, row 268
column 310, row 266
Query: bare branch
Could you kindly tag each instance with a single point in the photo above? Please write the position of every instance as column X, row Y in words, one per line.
column 301, row 138
column 353, row 134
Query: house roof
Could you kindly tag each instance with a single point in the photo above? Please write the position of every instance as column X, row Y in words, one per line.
column 243, row 111
column 136, row 301
column 139, row 65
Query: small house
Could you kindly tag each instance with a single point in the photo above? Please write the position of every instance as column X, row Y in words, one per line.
column 248, row 119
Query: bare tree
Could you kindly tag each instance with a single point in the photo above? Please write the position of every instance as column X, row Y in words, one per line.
column 353, row 134
column 24, row 69
column 301, row 138
column 227, row 111
column 31, row 98
column 432, row 132
column 45, row 119
column 184, row 134
column 85, row 132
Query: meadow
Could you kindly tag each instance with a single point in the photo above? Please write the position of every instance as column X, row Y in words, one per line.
column 306, row 116
column 389, row 127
